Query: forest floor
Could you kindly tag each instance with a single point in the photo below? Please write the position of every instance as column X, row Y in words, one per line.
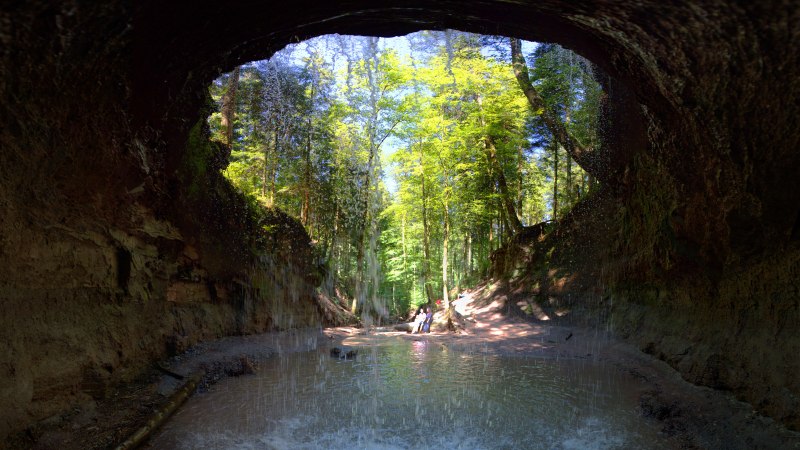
column 690, row 417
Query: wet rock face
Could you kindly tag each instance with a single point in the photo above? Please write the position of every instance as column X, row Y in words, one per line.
column 114, row 253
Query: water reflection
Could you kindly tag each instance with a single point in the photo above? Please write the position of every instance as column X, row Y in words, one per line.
column 415, row 394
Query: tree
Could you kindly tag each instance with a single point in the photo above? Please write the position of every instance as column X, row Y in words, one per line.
column 473, row 162
column 578, row 87
column 580, row 153
column 229, row 106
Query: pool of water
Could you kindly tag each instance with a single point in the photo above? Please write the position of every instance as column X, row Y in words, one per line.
column 400, row 394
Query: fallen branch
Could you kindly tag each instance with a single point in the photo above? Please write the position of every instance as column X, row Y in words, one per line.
column 162, row 414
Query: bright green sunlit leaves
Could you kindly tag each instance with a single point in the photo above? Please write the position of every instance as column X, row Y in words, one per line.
column 321, row 130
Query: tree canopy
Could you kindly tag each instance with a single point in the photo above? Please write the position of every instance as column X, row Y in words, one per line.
column 409, row 161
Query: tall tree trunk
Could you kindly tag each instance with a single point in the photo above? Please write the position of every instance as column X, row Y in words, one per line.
column 265, row 177
column 491, row 235
column 329, row 252
column 555, row 180
column 426, row 234
column 372, row 125
column 499, row 175
column 570, row 188
column 361, row 268
column 470, row 268
column 582, row 155
column 362, row 235
column 359, row 290
column 520, row 161
column 403, row 242
column 274, row 166
column 502, row 223
column 229, row 106
column 304, row 212
column 445, row 250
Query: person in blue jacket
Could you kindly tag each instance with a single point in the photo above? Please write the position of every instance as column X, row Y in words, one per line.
column 426, row 325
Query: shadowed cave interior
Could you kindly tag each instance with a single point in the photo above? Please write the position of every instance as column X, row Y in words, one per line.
column 121, row 243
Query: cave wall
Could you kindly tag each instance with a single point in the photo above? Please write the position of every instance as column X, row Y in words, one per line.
column 692, row 253
column 114, row 251
column 108, row 262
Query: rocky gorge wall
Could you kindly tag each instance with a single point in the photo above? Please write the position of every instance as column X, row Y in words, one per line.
column 119, row 244
column 88, row 304
column 109, row 263
column 733, row 328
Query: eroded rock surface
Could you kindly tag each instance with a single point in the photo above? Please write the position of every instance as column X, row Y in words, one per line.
column 119, row 244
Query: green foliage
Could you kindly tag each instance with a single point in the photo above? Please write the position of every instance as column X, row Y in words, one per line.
column 566, row 83
column 315, row 127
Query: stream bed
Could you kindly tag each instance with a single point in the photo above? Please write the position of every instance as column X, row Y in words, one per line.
column 399, row 394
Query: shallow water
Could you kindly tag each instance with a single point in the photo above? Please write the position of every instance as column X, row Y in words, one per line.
column 412, row 394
